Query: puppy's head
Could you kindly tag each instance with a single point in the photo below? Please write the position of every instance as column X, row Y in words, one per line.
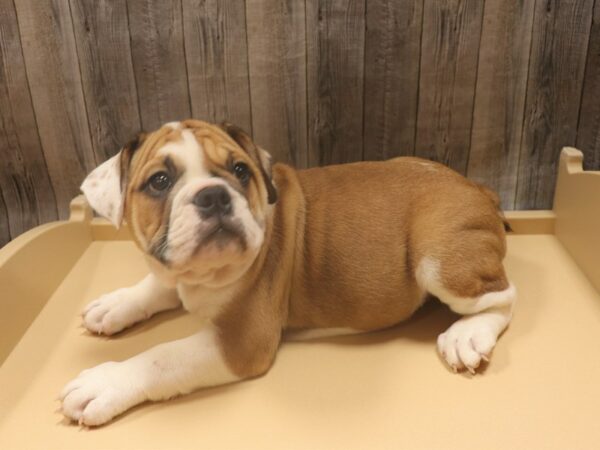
column 195, row 195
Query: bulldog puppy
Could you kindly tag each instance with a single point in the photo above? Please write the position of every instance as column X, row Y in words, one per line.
column 254, row 250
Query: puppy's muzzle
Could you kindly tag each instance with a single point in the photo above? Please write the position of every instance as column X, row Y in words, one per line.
column 213, row 201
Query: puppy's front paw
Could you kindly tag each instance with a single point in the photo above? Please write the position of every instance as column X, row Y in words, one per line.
column 113, row 312
column 466, row 343
column 101, row 393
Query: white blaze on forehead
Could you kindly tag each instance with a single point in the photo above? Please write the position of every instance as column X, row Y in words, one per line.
column 174, row 125
column 187, row 152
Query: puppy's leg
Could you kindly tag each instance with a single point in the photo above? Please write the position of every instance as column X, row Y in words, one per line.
column 211, row 357
column 102, row 392
column 484, row 297
column 122, row 308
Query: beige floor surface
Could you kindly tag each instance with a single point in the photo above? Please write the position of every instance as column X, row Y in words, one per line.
column 386, row 390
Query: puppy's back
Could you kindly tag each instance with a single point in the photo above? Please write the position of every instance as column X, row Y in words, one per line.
column 366, row 226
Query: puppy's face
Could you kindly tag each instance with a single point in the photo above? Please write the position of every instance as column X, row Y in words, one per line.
column 195, row 195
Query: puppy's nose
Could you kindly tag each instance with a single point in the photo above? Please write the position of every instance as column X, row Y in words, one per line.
column 213, row 200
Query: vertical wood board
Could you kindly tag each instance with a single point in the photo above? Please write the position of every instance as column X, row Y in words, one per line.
column 392, row 59
column 335, row 80
column 277, row 63
column 449, row 52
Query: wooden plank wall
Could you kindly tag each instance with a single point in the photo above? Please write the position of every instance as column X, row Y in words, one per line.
column 492, row 88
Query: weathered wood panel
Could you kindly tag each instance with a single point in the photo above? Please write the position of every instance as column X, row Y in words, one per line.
column 449, row 52
column 588, row 132
column 493, row 89
column 556, row 67
column 53, row 73
column 392, row 57
column 157, row 47
column 335, row 63
column 277, row 63
column 102, row 38
column 5, row 235
column 500, row 96
column 217, row 60
column 27, row 197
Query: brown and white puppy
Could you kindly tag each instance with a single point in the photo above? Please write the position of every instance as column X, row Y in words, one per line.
column 255, row 250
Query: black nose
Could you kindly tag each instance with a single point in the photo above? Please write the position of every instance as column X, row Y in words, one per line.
column 213, row 200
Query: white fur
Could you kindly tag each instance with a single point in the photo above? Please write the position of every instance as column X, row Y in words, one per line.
column 167, row 370
column 120, row 309
column 174, row 125
column 186, row 225
column 471, row 339
column 102, row 189
column 429, row 279
column 204, row 301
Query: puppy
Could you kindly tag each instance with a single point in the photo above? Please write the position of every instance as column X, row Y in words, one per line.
column 255, row 249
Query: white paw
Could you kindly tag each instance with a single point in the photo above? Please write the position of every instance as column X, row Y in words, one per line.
column 101, row 393
column 113, row 312
column 467, row 342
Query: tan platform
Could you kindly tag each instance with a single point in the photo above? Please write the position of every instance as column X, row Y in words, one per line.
column 386, row 390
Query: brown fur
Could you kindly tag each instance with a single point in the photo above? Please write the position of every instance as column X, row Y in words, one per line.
column 342, row 243
column 348, row 258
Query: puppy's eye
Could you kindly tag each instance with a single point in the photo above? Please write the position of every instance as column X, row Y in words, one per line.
column 159, row 182
column 242, row 172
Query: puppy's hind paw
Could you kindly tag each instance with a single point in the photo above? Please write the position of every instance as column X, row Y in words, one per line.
column 466, row 344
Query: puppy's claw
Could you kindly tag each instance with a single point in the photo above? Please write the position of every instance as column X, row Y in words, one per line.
column 486, row 358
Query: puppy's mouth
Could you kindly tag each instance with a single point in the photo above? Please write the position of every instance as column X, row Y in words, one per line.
column 222, row 233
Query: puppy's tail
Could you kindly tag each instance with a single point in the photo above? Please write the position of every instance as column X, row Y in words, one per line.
column 496, row 201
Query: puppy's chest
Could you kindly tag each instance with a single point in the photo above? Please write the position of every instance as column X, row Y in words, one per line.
column 203, row 301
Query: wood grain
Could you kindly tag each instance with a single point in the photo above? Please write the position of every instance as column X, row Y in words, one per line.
column 277, row 63
column 556, row 67
column 335, row 80
column 157, row 47
column 449, row 51
column 4, row 227
column 217, row 60
column 27, row 197
column 392, row 56
column 53, row 74
column 588, row 130
column 493, row 89
column 500, row 96
column 102, row 37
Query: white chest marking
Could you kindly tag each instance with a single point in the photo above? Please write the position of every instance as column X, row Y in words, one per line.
column 203, row 301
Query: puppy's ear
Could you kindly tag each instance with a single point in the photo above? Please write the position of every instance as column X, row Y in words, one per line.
column 104, row 187
column 261, row 157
